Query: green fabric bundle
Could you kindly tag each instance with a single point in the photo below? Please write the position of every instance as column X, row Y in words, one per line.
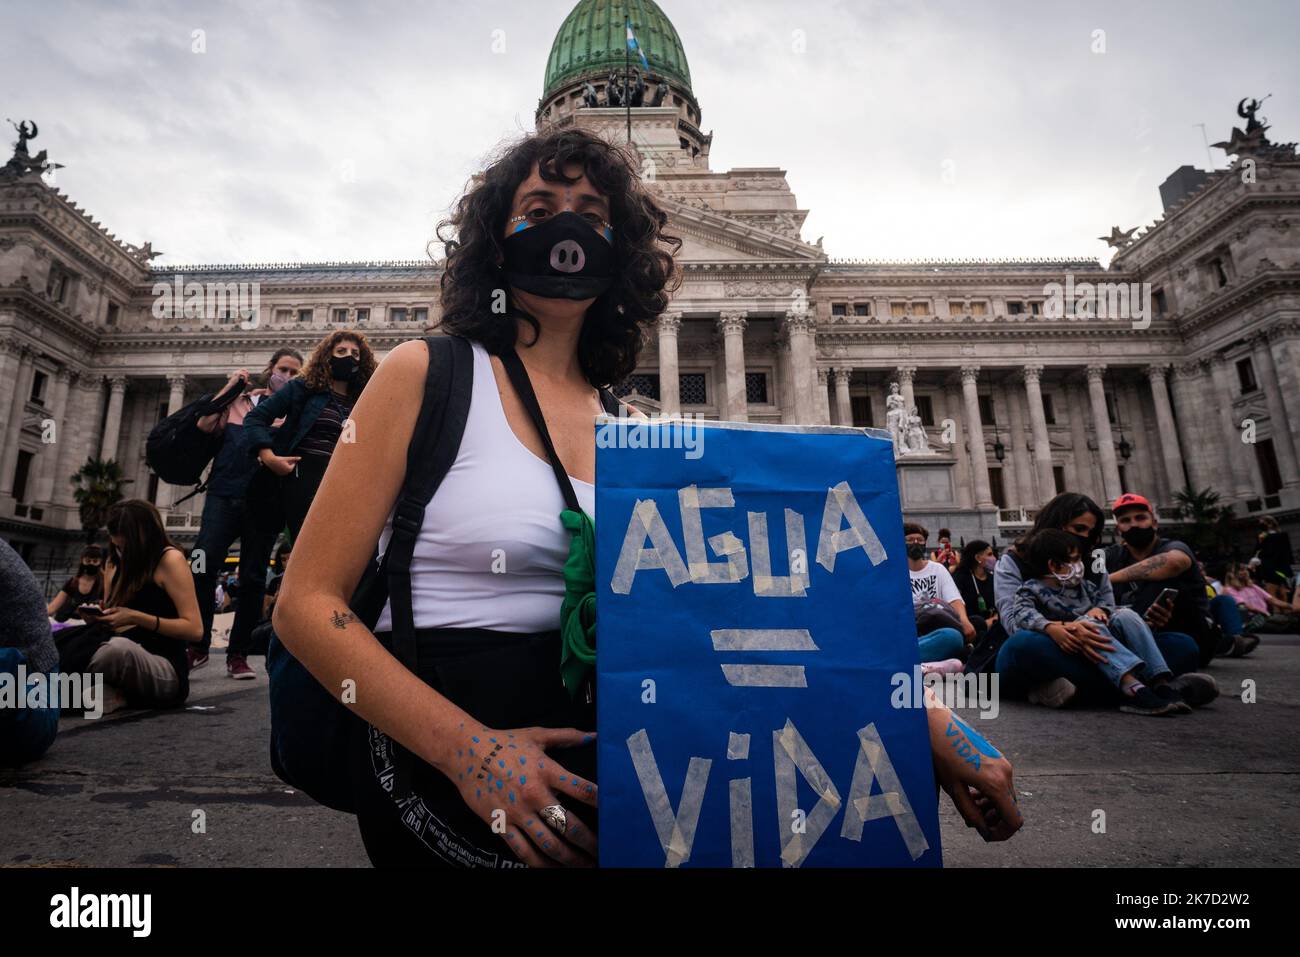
column 578, row 612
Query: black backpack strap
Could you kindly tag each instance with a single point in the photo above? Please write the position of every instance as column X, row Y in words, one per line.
column 524, row 389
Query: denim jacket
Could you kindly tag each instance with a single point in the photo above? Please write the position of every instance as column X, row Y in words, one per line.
column 1037, row 604
column 299, row 406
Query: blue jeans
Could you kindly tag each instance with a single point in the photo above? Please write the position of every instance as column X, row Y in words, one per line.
column 25, row 733
column 222, row 522
column 1030, row 658
column 940, row 644
column 1226, row 614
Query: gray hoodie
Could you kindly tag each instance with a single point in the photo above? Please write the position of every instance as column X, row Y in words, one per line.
column 23, row 622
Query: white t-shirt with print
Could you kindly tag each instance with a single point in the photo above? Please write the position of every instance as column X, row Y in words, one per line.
column 933, row 581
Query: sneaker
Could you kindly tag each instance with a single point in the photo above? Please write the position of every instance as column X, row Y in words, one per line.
column 1053, row 694
column 1147, row 702
column 1195, row 688
column 1243, row 645
column 949, row 666
column 237, row 668
column 197, row 658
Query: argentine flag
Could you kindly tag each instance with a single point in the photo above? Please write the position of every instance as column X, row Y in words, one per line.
column 633, row 46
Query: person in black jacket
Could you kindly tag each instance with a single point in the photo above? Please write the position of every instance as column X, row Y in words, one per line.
column 974, row 578
column 315, row 407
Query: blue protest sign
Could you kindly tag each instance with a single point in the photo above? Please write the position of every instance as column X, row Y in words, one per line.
column 753, row 604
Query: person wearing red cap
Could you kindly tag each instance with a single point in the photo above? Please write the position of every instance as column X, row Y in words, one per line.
column 1142, row 565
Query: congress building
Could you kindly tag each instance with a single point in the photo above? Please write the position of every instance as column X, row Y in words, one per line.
column 1177, row 365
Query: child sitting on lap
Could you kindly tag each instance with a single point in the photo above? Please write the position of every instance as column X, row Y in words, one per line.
column 1058, row 592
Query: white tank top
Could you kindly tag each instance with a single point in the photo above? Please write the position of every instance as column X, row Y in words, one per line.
column 491, row 551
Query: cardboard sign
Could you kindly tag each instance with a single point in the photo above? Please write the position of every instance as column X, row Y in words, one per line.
column 753, row 605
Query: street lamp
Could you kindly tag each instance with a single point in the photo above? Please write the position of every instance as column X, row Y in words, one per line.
column 999, row 450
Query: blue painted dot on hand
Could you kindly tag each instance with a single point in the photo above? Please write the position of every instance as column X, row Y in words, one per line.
column 541, row 764
column 478, row 792
column 522, row 759
column 522, row 780
column 510, row 774
column 502, row 763
column 500, row 785
column 512, row 797
column 539, row 834
column 528, row 823
column 562, row 777
column 493, row 740
column 475, row 740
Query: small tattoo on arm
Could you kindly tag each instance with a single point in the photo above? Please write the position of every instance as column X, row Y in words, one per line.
column 341, row 619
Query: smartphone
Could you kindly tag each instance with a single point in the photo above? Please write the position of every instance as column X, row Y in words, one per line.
column 90, row 611
column 1166, row 598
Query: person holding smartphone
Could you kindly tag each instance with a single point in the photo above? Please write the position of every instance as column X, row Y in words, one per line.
column 1159, row 578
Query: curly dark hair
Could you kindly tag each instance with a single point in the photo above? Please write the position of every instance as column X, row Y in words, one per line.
column 316, row 376
column 472, row 236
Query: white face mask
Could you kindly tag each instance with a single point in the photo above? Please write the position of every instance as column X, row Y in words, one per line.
column 1074, row 577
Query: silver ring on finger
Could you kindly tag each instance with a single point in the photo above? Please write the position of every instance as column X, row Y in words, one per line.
column 555, row 818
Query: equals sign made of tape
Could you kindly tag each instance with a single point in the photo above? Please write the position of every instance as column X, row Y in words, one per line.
column 763, row 639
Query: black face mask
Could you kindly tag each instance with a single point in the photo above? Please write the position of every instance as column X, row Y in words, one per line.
column 1085, row 542
column 916, row 552
column 344, row 368
column 1138, row 537
column 561, row 258
column 88, row 570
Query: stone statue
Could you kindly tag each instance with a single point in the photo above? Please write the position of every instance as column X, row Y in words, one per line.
column 1247, row 110
column 26, row 131
column 896, row 418
column 916, row 441
column 613, row 93
column 661, row 94
column 638, row 89
column 589, row 97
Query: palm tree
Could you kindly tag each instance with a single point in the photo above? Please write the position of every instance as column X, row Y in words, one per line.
column 1210, row 523
column 99, row 484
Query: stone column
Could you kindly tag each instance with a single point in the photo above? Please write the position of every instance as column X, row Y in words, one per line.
column 670, row 394
column 71, row 436
column 167, row 494
column 1038, row 425
column 1149, row 475
column 1101, row 425
column 50, row 452
column 843, row 404
column 1285, row 348
column 11, row 357
column 14, row 424
column 1203, row 456
column 801, row 325
column 1140, row 476
column 1081, row 455
column 1011, row 473
column 113, row 422
column 964, row 480
column 732, row 326
column 1171, row 452
column 975, row 436
column 824, row 395
column 1279, row 421
column 1239, row 466
column 1030, row 497
column 906, row 375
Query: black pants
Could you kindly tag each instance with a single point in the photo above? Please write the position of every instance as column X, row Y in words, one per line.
column 502, row 680
column 299, row 487
column 263, row 522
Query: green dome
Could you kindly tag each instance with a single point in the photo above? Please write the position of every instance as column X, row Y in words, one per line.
column 593, row 39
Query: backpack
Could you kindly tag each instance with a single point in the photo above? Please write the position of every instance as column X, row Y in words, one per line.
column 178, row 451
column 310, row 728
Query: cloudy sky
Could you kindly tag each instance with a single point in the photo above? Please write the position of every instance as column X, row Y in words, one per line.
column 311, row 131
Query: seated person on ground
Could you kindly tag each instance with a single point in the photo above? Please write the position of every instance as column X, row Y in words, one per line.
column 934, row 594
column 1057, row 592
column 152, row 610
column 26, row 649
column 86, row 587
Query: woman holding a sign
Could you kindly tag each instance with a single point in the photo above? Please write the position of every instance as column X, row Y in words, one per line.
column 473, row 681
